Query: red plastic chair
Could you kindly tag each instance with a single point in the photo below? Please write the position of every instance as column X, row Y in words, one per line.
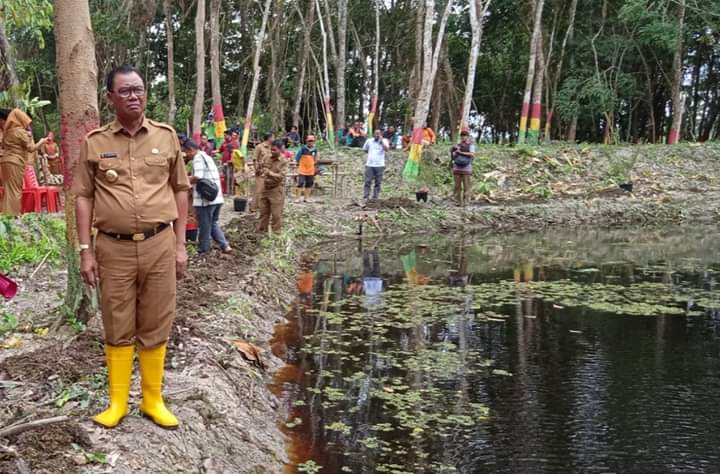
column 33, row 193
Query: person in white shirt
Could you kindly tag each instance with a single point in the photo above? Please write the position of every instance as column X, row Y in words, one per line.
column 375, row 166
column 208, row 212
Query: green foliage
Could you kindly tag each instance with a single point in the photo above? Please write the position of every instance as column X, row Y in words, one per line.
column 26, row 241
column 29, row 17
column 8, row 322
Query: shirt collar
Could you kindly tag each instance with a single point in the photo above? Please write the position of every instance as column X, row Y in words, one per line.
column 116, row 126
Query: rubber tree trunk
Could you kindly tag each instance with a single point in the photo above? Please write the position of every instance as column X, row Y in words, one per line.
column 342, row 6
column 77, row 84
column 7, row 54
column 531, row 70
column 169, row 31
column 533, row 135
column 218, row 112
column 307, row 35
column 678, row 104
column 376, row 73
column 558, row 70
column 478, row 9
column 429, row 71
column 256, row 78
column 199, row 70
column 329, row 127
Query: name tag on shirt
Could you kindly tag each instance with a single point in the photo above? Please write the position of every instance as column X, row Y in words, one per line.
column 106, row 156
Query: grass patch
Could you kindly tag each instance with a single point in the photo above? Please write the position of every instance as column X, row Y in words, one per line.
column 26, row 241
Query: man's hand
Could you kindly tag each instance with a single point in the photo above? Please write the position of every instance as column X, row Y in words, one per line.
column 89, row 268
column 181, row 260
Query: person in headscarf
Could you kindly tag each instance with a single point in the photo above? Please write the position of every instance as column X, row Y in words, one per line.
column 17, row 147
column 50, row 152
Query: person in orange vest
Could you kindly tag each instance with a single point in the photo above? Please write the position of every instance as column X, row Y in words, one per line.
column 428, row 136
column 306, row 158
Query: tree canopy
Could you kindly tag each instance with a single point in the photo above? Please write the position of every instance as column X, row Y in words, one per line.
column 607, row 66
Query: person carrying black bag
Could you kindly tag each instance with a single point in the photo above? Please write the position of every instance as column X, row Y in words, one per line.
column 207, row 198
column 462, row 157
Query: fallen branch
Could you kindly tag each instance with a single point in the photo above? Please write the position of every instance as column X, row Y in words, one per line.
column 13, row 430
column 375, row 223
column 42, row 262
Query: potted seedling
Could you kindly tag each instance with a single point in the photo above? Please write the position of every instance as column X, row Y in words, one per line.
column 422, row 194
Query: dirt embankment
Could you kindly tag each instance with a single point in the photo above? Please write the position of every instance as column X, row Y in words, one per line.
column 229, row 418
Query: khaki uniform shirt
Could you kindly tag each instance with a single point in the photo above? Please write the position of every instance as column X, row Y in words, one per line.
column 133, row 180
column 276, row 169
column 261, row 156
column 18, row 147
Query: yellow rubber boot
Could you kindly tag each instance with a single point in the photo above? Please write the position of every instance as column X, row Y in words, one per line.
column 120, row 364
column 152, row 366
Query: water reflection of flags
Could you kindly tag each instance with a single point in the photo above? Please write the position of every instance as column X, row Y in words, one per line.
column 409, row 262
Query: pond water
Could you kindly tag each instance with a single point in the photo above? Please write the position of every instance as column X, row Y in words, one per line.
column 560, row 351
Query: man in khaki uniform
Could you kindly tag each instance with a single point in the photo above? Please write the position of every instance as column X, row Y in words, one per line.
column 273, row 194
column 261, row 155
column 131, row 175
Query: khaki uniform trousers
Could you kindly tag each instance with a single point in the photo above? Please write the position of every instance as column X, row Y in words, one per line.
column 257, row 195
column 137, row 289
column 271, row 205
column 12, row 174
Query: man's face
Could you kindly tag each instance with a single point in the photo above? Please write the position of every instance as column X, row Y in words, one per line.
column 465, row 138
column 378, row 135
column 228, row 137
column 203, row 140
column 235, row 136
column 311, row 142
column 189, row 154
column 391, row 129
column 127, row 96
column 275, row 151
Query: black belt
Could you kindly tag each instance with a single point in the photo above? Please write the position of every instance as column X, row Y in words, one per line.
column 140, row 236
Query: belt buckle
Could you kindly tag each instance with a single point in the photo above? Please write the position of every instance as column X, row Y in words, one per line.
column 138, row 237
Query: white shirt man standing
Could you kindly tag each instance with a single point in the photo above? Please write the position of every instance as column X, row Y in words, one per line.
column 375, row 166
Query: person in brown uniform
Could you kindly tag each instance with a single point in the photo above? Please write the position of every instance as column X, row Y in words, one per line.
column 131, row 175
column 261, row 155
column 273, row 194
column 18, row 148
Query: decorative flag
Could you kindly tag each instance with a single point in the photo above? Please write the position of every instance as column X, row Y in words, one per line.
column 523, row 122
column 219, row 118
column 330, row 132
column 412, row 165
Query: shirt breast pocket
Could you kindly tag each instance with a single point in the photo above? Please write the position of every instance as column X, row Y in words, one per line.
column 110, row 170
column 156, row 169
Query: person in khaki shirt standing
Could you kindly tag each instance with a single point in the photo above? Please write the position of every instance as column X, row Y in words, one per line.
column 131, row 176
column 272, row 197
column 261, row 155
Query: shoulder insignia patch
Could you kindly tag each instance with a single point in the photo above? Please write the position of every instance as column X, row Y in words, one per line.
column 98, row 130
column 162, row 125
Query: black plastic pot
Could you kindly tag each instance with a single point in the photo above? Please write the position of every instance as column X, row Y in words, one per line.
column 191, row 235
column 239, row 204
column 421, row 196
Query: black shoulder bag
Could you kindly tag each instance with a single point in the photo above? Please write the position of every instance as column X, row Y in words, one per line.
column 206, row 188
